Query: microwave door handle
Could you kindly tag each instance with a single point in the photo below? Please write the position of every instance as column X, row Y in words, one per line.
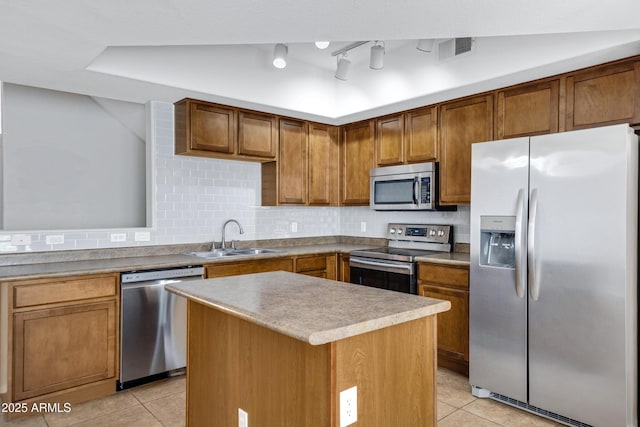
column 416, row 191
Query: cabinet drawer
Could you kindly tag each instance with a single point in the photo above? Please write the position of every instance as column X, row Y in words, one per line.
column 446, row 275
column 311, row 263
column 248, row 267
column 51, row 291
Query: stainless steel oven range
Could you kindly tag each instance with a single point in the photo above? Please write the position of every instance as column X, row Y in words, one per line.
column 394, row 267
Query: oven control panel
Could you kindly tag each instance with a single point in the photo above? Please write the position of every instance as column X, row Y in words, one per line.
column 436, row 233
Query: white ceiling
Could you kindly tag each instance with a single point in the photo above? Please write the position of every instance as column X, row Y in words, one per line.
column 221, row 51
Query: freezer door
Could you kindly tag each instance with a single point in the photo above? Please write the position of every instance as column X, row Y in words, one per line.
column 497, row 300
column 582, row 306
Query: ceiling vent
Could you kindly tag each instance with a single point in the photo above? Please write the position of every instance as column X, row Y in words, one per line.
column 455, row 47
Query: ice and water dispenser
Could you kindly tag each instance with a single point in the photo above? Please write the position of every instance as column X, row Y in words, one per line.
column 497, row 241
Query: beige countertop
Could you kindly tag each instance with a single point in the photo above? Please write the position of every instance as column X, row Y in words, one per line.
column 310, row 309
column 130, row 263
column 452, row 258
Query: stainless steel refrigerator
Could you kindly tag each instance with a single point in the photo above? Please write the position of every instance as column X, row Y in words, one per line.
column 553, row 277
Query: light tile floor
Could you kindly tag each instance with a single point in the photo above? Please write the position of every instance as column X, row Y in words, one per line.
column 163, row 404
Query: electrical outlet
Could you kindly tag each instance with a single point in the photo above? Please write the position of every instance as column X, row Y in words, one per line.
column 363, row 226
column 20, row 239
column 5, row 238
column 118, row 237
column 348, row 406
column 142, row 236
column 294, row 227
column 55, row 239
column 243, row 418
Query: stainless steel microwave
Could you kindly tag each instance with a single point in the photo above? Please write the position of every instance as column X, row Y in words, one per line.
column 406, row 188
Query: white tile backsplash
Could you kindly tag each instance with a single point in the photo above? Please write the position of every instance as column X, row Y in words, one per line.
column 195, row 196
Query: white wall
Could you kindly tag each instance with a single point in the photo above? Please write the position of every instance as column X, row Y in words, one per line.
column 71, row 161
column 194, row 196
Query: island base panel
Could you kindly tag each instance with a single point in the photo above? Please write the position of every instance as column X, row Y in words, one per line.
column 281, row 381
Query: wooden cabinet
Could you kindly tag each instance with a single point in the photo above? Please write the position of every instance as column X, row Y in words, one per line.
column 248, row 267
column 64, row 345
column 306, row 172
column 324, row 266
column 389, row 140
column 449, row 283
column 408, row 137
column 421, row 135
column 257, row 135
column 324, row 175
column 343, row 268
column 356, row 161
column 212, row 130
column 528, row 110
column 461, row 124
column 603, row 95
column 293, row 162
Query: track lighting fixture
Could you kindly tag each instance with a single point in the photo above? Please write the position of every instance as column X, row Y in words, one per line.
column 376, row 60
column 343, row 67
column 425, row 45
column 280, row 55
column 322, row 45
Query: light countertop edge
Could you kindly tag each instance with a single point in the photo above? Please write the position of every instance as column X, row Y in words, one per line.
column 452, row 258
column 313, row 322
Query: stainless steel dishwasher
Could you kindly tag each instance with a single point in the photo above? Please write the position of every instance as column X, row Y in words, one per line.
column 154, row 324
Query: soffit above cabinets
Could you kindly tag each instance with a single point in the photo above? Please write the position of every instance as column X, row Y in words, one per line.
column 221, row 51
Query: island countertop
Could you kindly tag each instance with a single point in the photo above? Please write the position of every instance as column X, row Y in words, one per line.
column 310, row 309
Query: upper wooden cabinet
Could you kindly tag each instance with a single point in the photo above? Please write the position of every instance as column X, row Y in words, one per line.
column 390, row 140
column 257, row 134
column 306, row 172
column 461, row 124
column 293, row 162
column 421, row 135
column 604, row 95
column 323, row 170
column 356, row 161
column 408, row 137
column 528, row 110
column 212, row 130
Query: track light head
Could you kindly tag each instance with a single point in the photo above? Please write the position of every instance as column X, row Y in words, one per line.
column 280, row 55
column 376, row 60
column 343, row 68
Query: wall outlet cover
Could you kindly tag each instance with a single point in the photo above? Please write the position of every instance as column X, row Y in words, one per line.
column 142, row 236
column 348, row 406
column 118, row 237
column 20, row 239
column 55, row 239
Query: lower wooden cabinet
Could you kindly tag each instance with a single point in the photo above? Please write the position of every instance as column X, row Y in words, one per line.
column 343, row 268
column 317, row 265
column 62, row 338
column 322, row 265
column 60, row 348
column 448, row 282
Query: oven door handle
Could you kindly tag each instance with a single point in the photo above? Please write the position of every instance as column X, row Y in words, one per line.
column 382, row 266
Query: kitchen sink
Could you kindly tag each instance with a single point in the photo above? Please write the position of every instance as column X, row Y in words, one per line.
column 219, row 253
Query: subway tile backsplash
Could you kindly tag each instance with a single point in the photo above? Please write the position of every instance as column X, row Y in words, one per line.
column 195, row 196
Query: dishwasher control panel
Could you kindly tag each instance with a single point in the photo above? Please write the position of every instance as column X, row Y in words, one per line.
column 173, row 273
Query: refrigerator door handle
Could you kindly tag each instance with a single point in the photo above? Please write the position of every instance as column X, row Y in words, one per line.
column 534, row 288
column 521, row 272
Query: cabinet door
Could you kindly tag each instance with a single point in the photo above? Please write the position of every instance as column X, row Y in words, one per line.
column 63, row 347
column 343, row 268
column 461, row 124
column 453, row 325
column 603, row 96
column 257, row 134
column 528, row 110
column 421, row 135
column 390, row 140
column 213, row 128
column 323, row 168
column 356, row 159
column 292, row 162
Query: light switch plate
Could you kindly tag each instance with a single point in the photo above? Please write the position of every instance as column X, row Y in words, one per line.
column 142, row 236
column 348, row 406
column 55, row 239
column 294, row 227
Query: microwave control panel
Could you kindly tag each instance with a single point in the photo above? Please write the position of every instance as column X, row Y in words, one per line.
column 425, row 191
column 420, row 232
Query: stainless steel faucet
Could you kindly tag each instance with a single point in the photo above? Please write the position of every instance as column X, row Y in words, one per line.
column 224, row 242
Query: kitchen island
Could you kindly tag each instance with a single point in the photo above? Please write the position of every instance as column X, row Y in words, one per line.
column 282, row 346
